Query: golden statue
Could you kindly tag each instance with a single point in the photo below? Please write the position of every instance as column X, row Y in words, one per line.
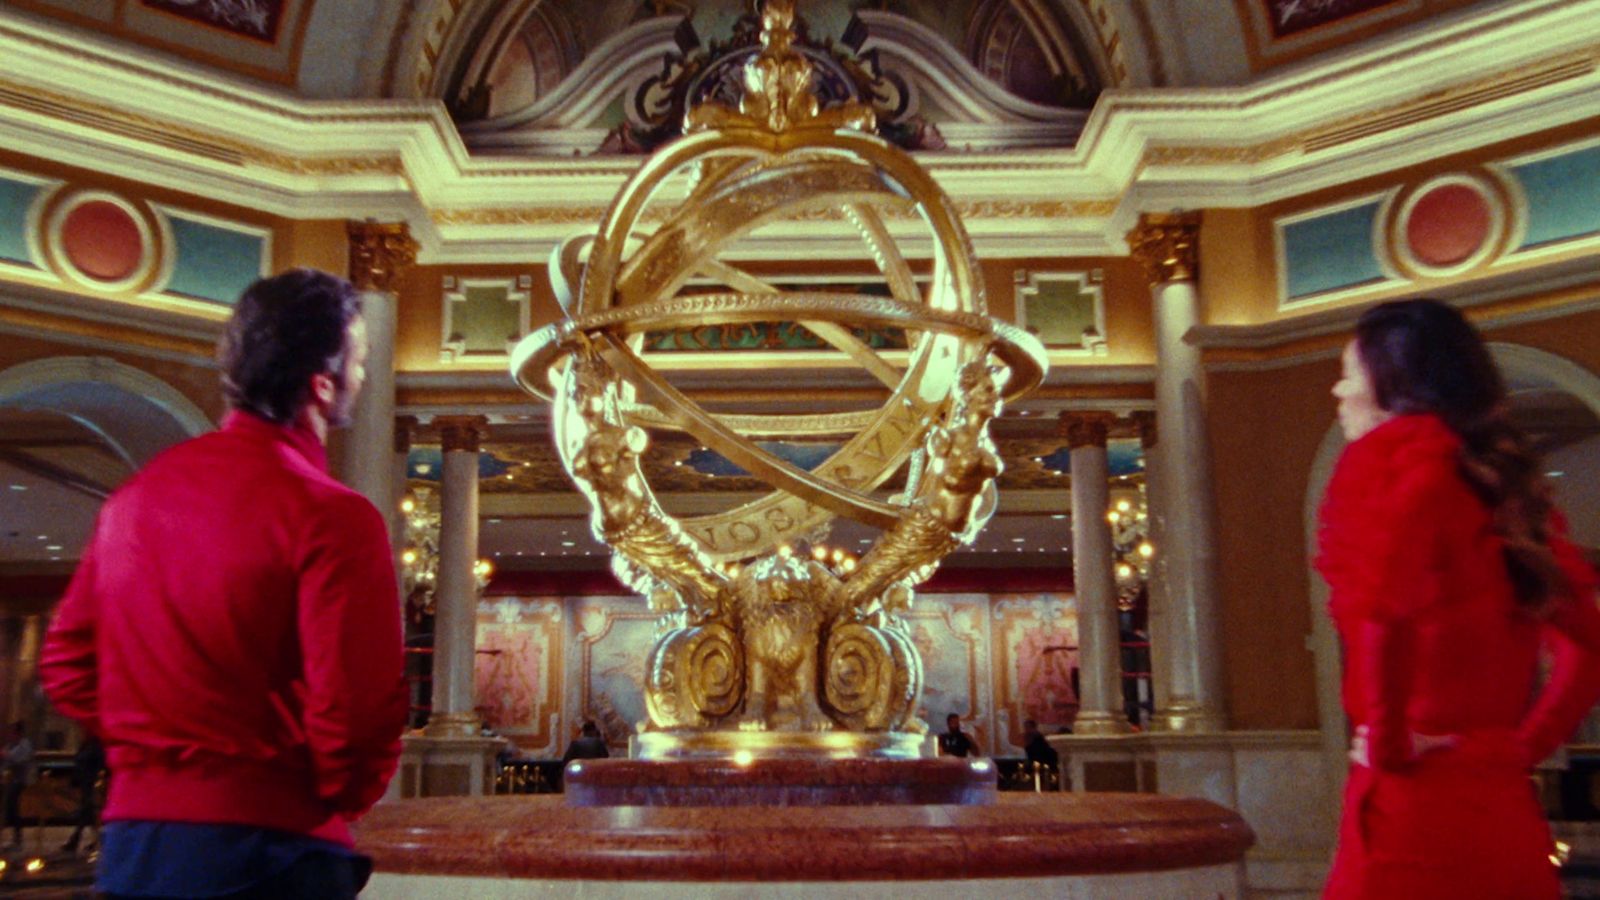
column 763, row 649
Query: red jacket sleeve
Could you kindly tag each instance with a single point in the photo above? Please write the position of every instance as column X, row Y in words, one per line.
column 1405, row 568
column 355, row 700
column 1574, row 683
column 68, row 664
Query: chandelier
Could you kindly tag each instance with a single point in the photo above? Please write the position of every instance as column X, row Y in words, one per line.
column 1130, row 547
column 419, row 556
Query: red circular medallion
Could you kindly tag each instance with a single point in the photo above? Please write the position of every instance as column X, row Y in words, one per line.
column 1447, row 225
column 101, row 240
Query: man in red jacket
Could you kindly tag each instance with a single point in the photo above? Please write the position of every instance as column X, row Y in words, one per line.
column 232, row 632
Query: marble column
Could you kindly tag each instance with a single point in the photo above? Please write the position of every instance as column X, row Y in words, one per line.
column 405, row 428
column 1159, row 606
column 1099, row 638
column 455, row 620
column 380, row 253
column 1191, row 662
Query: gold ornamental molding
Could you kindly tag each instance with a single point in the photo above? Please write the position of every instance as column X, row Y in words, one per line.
column 1144, row 424
column 1087, row 429
column 1168, row 246
column 380, row 253
column 967, row 209
column 405, row 429
column 464, row 433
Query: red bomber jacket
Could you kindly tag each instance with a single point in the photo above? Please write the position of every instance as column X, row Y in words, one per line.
column 1434, row 641
column 233, row 635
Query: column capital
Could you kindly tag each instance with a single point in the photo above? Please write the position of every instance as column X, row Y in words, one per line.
column 461, row 432
column 379, row 253
column 1086, row 429
column 1144, row 422
column 1168, row 246
column 405, row 428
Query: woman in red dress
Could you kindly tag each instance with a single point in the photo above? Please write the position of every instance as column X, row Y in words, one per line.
column 1449, row 571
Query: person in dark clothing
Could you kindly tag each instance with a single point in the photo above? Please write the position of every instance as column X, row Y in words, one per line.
column 954, row 741
column 87, row 764
column 1037, row 748
column 587, row 745
column 18, row 775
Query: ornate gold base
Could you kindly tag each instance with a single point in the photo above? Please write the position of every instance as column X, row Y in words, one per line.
column 448, row 725
column 1188, row 718
column 1099, row 723
column 772, row 744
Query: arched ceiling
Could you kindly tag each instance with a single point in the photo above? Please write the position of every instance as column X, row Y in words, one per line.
column 1052, row 53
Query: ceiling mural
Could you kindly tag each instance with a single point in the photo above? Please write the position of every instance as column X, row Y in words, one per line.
column 1035, row 458
column 1278, row 32
column 256, row 38
column 248, row 18
column 1293, row 16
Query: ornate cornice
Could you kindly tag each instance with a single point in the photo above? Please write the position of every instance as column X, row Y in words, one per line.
column 1395, row 103
column 1086, row 429
column 380, row 252
column 1168, row 246
column 461, row 432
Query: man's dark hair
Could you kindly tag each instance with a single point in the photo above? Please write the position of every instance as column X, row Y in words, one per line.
column 284, row 330
column 589, row 729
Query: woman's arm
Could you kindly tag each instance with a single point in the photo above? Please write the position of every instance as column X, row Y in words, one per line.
column 1574, row 684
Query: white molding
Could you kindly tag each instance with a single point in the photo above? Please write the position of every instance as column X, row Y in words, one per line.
column 17, row 382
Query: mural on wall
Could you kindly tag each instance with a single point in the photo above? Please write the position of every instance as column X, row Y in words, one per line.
column 547, row 664
column 950, row 634
column 1036, row 656
column 614, row 636
column 249, row 18
column 1293, row 16
column 518, row 668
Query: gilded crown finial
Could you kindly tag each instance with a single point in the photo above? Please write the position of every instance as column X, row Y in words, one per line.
column 778, row 96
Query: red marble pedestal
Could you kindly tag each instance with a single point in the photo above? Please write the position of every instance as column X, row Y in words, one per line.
column 1096, row 845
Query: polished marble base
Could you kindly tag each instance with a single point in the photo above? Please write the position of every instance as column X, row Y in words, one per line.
column 538, row 845
column 782, row 781
column 1220, row 882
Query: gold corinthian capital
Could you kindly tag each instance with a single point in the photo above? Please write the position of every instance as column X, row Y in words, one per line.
column 1168, row 246
column 380, row 252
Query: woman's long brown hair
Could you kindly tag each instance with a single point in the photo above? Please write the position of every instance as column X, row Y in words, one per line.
column 1424, row 357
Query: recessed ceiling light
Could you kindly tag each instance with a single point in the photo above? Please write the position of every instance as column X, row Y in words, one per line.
column 568, row 544
column 1059, row 516
column 1019, row 540
column 19, row 487
column 53, row 547
column 494, row 521
column 1555, row 474
column 44, row 537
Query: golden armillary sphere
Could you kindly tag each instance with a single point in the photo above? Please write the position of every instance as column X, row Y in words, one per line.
column 767, row 651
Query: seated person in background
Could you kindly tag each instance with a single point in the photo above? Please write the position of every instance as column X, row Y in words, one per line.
column 587, row 745
column 954, row 741
column 1036, row 747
